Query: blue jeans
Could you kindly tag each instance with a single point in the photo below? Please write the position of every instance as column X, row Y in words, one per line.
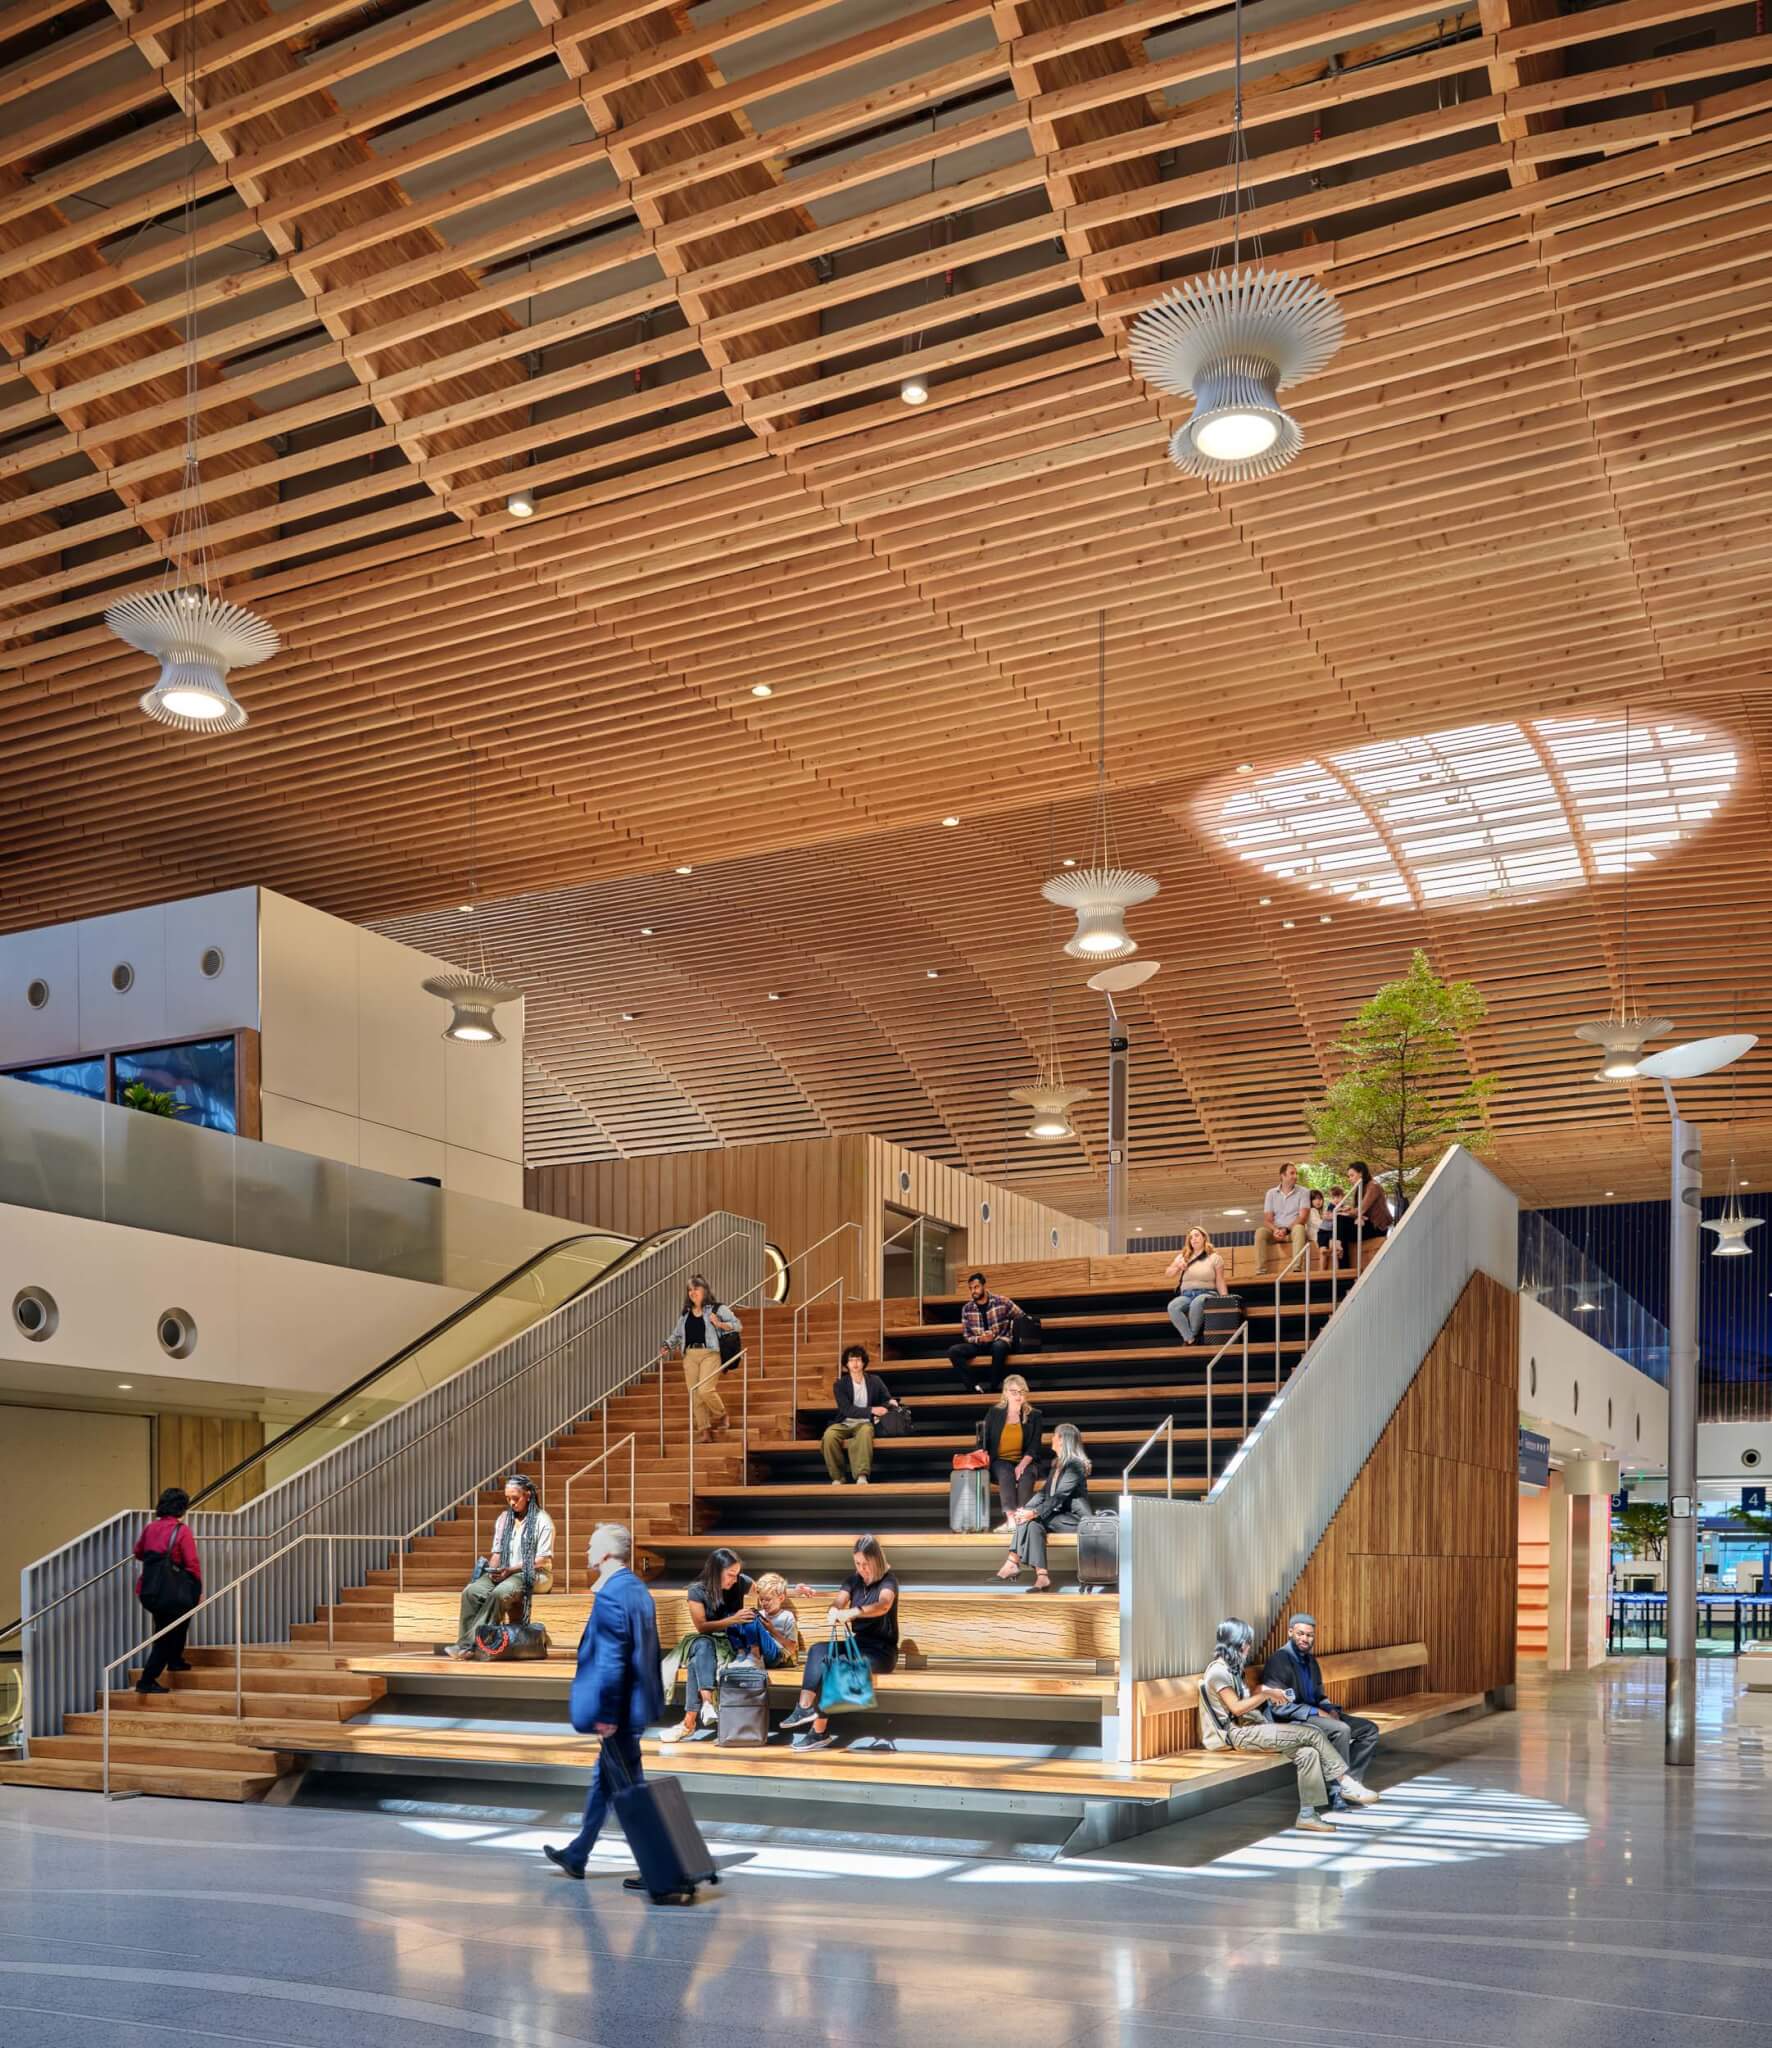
column 1188, row 1311
column 604, row 1787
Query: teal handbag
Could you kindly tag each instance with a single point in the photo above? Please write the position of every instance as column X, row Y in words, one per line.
column 847, row 1685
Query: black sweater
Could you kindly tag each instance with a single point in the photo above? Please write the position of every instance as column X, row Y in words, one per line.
column 843, row 1392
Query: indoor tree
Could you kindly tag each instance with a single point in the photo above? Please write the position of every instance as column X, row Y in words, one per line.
column 1641, row 1528
column 1404, row 1093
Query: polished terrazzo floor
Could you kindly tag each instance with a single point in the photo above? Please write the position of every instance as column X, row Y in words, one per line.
column 1535, row 1878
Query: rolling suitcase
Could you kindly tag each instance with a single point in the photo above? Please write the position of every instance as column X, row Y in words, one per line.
column 742, row 1702
column 661, row 1831
column 969, row 1502
column 1223, row 1318
column 1098, row 1550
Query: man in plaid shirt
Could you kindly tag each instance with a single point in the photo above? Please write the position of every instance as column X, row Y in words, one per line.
column 987, row 1323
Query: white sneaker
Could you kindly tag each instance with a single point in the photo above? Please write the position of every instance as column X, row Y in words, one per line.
column 680, row 1733
column 1351, row 1788
column 710, row 1714
column 861, row 1482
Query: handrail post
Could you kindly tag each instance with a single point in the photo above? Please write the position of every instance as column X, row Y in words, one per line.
column 331, row 1587
column 662, row 1360
column 1169, row 1460
column 238, row 1686
column 1210, row 1368
column 1246, row 1381
column 633, row 1491
column 744, row 1425
column 105, row 1768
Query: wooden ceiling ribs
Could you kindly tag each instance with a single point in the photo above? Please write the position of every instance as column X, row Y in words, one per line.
column 1536, row 479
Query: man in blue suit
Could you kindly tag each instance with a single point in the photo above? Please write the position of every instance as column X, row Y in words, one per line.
column 617, row 1691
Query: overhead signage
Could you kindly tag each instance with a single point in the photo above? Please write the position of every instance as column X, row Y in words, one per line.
column 1534, row 1458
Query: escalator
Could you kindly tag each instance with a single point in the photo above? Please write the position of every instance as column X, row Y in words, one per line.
column 544, row 1282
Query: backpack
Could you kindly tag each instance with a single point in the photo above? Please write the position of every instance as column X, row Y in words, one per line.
column 510, row 1642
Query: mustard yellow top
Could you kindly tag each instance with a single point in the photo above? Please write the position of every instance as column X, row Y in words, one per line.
column 1009, row 1443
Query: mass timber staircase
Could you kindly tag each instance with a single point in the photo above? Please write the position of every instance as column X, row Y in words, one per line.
column 1005, row 1695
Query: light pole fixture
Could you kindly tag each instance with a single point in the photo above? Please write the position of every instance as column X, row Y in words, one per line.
column 196, row 636
column 1686, row 1196
column 1622, row 1033
column 1051, row 1107
column 1119, row 979
column 1231, row 341
column 1101, row 893
column 473, row 994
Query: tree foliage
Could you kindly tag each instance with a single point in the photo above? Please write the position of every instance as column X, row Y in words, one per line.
column 1642, row 1527
column 152, row 1101
column 1404, row 1093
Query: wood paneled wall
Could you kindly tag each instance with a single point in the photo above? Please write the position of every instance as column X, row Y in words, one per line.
column 801, row 1190
column 192, row 1450
column 1424, row 1548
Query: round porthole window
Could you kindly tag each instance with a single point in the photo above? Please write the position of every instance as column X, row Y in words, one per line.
column 1639, row 1429
column 37, row 995
column 1750, row 1458
column 984, row 1212
column 35, row 1314
column 1575, row 1404
column 123, row 977
column 904, row 1182
column 212, row 962
column 1608, row 1411
column 1532, row 1377
column 1055, row 1240
column 177, row 1331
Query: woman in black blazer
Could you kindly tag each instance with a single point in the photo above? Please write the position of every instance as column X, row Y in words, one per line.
column 1010, row 1434
column 1060, row 1504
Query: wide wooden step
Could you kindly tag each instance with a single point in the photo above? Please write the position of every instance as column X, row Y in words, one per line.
column 1191, row 1395
column 168, row 1753
column 288, row 1706
column 789, row 1493
column 256, row 1678
column 161, row 1781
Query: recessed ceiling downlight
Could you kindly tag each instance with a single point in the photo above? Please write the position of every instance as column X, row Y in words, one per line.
column 1478, row 812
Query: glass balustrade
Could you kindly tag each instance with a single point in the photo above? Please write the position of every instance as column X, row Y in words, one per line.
column 1560, row 1274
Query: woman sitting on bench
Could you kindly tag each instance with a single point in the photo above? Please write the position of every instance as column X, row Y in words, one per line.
column 868, row 1603
column 1060, row 1504
column 1200, row 1271
column 1010, row 1434
column 716, row 1602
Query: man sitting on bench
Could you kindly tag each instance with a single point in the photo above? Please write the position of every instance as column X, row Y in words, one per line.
column 987, row 1324
column 521, row 1563
column 1294, row 1668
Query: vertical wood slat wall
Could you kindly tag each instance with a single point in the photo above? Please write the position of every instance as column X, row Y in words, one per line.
column 1425, row 1546
column 192, row 1450
column 803, row 1188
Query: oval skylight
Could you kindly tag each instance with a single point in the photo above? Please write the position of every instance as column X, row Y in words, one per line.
column 1478, row 811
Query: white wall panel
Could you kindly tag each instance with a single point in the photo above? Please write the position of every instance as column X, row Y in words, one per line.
column 400, row 1042
column 403, row 1153
column 262, row 1321
column 110, row 1017
column 476, row 1173
column 308, row 1007
column 305, row 1127
column 484, row 1086
column 1577, row 1392
column 196, row 1003
column 51, row 955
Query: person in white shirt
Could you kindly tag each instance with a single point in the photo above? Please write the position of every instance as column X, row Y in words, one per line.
column 521, row 1562
column 1285, row 1211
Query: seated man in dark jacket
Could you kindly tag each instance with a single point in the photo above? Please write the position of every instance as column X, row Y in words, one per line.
column 1294, row 1668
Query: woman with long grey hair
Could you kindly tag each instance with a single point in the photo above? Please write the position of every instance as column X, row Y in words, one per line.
column 1233, row 1717
column 1060, row 1504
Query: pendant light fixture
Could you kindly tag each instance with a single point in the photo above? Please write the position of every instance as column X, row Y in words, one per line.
column 473, row 996
column 1232, row 340
column 1103, row 892
column 1622, row 1033
column 196, row 636
column 1050, row 1100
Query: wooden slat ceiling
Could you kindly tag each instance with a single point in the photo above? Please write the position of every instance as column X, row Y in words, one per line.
column 669, row 265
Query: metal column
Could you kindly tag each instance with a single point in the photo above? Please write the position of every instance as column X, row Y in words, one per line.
column 1116, row 1159
column 1682, row 1436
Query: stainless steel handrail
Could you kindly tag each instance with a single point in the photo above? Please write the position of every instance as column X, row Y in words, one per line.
column 629, row 1443
column 794, row 1391
column 1304, row 1253
column 1241, row 1333
column 1165, row 1428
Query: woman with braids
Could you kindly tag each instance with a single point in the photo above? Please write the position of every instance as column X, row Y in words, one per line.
column 521, row 1562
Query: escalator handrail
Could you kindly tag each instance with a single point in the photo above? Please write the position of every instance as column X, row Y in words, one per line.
column 637, row 1248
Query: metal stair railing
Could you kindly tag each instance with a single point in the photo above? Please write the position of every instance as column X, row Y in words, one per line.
column 390, row 1476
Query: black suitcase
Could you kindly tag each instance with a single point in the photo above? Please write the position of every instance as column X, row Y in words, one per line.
column 661, row 1831
column 969, row 1502
column 510, row 1642
column 1026, row 1332
column 1098, row 1550
column 742, row 1702
column 1223, row 1318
